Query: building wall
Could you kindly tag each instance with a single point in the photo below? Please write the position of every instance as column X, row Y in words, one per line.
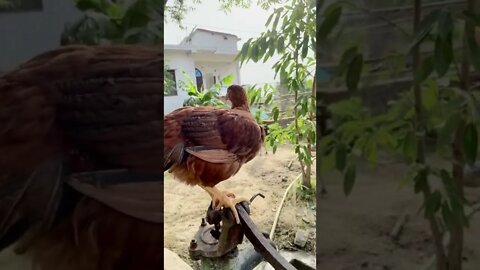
column 220, row 42
column 221, row 70
column 180, row 62
column 23, row 35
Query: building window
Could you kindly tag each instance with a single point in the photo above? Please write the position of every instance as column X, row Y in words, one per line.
column 199, row 77
column 170, row 83
column 20, row 5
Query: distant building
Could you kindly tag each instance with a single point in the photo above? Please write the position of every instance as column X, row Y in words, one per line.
column 205, row 57
column 31, row 27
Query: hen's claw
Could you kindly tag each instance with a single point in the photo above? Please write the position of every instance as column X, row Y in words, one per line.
column 225, row 199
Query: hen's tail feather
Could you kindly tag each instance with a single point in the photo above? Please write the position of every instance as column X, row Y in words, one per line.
column 175, row 156
column 36, row 201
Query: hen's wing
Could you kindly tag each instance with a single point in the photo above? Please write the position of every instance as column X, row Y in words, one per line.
column 212, row 135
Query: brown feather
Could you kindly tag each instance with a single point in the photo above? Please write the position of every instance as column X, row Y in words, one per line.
column 94, row 107
column 96, row 237
column 227, row 139
column 213, row 156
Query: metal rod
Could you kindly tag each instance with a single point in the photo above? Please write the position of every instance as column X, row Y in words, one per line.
column 261, row 243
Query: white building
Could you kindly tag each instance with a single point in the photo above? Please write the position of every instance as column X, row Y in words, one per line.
column 205, row 57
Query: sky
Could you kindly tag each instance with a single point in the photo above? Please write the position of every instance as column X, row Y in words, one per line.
column 244, row 23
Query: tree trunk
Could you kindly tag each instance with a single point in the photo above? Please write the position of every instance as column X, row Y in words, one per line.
column 320, row 112
column 455, row 246
column 307, row 180
column 420, row 131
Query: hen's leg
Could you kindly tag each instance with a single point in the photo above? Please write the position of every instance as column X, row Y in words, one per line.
column 225, row 199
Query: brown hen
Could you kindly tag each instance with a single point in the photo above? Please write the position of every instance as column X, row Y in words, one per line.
column 73, row 110
column 207, row 145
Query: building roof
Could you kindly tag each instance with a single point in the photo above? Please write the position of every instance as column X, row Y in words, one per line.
column 198, row 49
column 196, row 30
column 215, row 32
column 184, row 46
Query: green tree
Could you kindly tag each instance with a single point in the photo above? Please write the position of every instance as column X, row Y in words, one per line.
column 118, row 22
column 177, row 10
column 291, row 34
column 123, row 21
column 448, row 111
column 4, row 4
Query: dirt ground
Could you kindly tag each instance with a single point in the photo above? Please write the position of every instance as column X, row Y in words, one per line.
column 268, row 174
column 185, row 206
column 354, row 231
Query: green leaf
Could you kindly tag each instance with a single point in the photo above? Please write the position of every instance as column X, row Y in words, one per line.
column 138, row 14
column 276, row 113
column 425, row 69
column 410, row 147
column 420, row 181
column 268, row 98
column 327, row 162
column 430, row 96
column 445, row 25
column 354, row 71
column 447, row 216
column 455, row 203
column 271, row 48
column 285, row 22
column 270, row 19
column 409, row 176
column 84, row 5
column 471, row 143
column 332, row 16
column 474, row 51
column 424, row 28
column 385, row 138
column 281, row 44
column 305, row 46
column 114, row 11
column 471, row 17
column 347, row 58
column 262, row 48
column 433, row 203
column 279, row 14
column 243, row 52
column 313, row 40
column 349, row 179
column 227, row 80
column 371, row 151
column 443, row 55
column 255, row 52
column 448, row 129
column 341, row 157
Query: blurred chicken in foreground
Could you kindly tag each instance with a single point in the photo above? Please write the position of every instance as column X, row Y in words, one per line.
column 80, row 110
